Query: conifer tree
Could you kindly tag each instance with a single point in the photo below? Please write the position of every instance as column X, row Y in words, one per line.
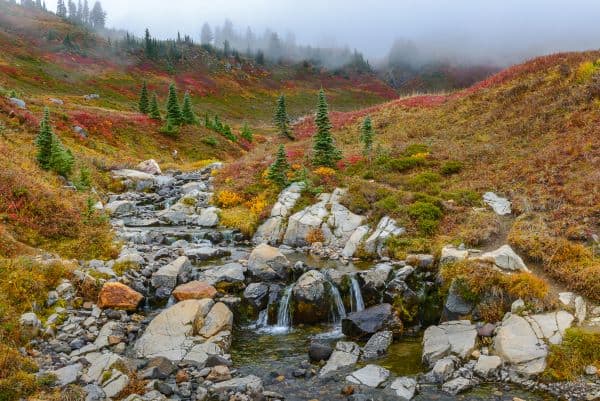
column 282, row 120
column 144, row 104
column 154, row 110
column 173, row 109
column 324, row 151
column 246, row 133
column 61, row 159
column 61, row 9
column 187, row 112
column 277, row 172
column 366, row 136
column 44, row 141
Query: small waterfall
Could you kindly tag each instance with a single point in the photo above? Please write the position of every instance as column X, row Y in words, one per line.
column 284, row 316
column 263, row 318
column 356, row 300
column 340, row 311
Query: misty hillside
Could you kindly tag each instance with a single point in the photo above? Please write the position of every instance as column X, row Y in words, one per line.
column 245, row 218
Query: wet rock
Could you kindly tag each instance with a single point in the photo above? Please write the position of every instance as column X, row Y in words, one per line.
column 387, row 227
column 501, row 206
column 194, row 290
column 487, row 366
column 371, row 320
column 404, row 388
column 456, row 386
column 309, row 297
column 119, row 296
column 345, row 354
column 218, row 319
column 256, row 294
column 377, row 345
column 374, row 282
column 319, row 352
column 370, row 376
column 268, row 263
column 30, row 325
column 149, row 166
column 449, row 338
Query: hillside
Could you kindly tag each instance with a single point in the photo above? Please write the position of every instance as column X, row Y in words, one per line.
column 529, row 133
column 48, row 62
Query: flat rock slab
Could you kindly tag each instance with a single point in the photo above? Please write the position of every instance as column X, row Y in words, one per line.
column 456, row 337
column 370, row 376
column 501, row 206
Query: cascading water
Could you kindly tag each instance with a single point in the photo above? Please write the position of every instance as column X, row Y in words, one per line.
column 356, row 300
column 284, row 316
column 340, row 312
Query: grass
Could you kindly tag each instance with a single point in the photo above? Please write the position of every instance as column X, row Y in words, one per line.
column 567, row 361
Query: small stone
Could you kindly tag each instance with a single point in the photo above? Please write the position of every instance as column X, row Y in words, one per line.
column 219, row 373
column 347, row 390
column 591, row 370
column 181, row 376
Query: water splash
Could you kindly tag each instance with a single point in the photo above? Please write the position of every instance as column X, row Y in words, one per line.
column 284, row 315
column 356, row 300
column 340, row 312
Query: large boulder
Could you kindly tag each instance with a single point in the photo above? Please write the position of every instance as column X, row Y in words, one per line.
column 268, row 263
column 225, row 276
column 367, row 322
column 218, row 319
column 386, row 228
column 120, row 208
column 171, row 333
column 311, row 304
column 302, row 223
column 373, row 282
column 504, row 258
column 450, row 338
column 370, row 376
column 451, row 254
column 354, row 241
column 377, row 345
column 404, row 388
column 256, row 294
column 119, row 296
column 149, row 166
column 271, row 231
column 342, row 223
column 194, row 290
column 456, row 306
column 521, row 342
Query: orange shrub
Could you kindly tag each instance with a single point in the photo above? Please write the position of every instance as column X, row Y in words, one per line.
column 315, row 235
column 227, row 199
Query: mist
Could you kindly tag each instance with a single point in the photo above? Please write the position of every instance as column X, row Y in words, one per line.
column 499, row 32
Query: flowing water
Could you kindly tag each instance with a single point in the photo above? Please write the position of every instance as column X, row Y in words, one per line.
column 356, row 299
column 340, row 311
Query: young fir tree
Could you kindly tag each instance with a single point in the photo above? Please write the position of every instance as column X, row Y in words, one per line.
column 61, row 159
column 366, row 136
column 187, row 112
column 278, row 170
column 44, row 141
column 246, row 133
column 282, row 120
column 324, row 151
column 144, row 104
column 154, row 110
column 173, row 109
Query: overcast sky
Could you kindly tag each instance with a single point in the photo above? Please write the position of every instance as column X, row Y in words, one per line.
column 504, row 31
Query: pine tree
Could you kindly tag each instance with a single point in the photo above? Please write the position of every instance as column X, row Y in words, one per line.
column 97, row 16
column 324, row 151
column 61, row 159
column 144, row 104
column 278, row 170
column 173, row 109
column 61, row 9
column 366, row 136
column 187, row 112
column 246, row 133
column 154, row 110
column 282, row 121
column 44, row 141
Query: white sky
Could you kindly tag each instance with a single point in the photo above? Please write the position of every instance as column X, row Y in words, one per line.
column 502, row 30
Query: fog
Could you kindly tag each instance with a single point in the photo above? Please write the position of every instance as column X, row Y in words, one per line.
column 466, row 31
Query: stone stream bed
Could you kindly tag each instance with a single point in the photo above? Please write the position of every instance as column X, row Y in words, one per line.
column 192, row 311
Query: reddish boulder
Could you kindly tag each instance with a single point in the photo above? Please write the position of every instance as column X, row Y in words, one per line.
column 194, row 290
column 119, row 296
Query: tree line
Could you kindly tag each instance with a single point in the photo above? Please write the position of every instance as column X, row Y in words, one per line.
column 80, row 13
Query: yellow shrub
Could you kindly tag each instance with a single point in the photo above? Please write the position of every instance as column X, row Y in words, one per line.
column 422, row 155
column 526, row 286
column 258, row 204
column 241, row 218
column 585, row 71
column 228, row 199
column 325, row 172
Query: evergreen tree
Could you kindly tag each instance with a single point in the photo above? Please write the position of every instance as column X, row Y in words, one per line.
column 61, row 159
column 278, row 170
column 282, row 121
column 324, row 151
column 86, row 12
column 154, row 110
column 144, row 104
column 61, row 9
column 206, row 36
column 187, row 112
column 173, row 109
column 97, row 16
column 366, row 136
column 246, row 133
column 44, row 141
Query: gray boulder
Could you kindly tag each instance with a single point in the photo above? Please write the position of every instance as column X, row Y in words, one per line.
column 386, row 228
column 310, row 298
column 377, row 345
column 404, row 388
column 456, row 386
column 371, row 320
column 268, row 263
column 345, row 354
column 449, row 338
column 370, row 376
